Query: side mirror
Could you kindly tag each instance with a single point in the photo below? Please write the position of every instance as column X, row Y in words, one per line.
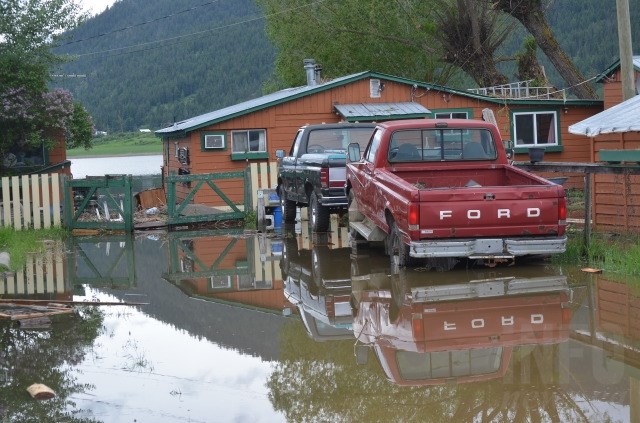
column 354, row 152
column 508, row 147
column 279, row 154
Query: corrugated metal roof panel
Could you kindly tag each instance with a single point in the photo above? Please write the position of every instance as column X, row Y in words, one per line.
column 368, row 111
column 246, row 106
column 623, row 117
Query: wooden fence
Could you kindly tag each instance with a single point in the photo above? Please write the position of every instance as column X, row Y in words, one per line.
column 43, row 273
column 31, row 201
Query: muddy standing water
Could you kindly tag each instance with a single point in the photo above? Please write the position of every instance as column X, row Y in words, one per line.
column 229, row 326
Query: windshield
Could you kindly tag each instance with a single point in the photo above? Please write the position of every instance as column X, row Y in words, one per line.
column 337, row 139
column 417, row 145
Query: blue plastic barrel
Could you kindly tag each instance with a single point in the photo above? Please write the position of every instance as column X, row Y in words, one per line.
column 277, row 217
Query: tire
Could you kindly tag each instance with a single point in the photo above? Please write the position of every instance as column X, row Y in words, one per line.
column 288, row 210
column 319, row 215
column 398, row 251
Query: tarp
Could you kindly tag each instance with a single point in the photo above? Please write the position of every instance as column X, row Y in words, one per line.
column 623, row 117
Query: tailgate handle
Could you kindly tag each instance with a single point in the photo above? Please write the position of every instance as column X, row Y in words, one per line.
column 489, row 196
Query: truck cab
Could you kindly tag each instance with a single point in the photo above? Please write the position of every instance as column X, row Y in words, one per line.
column 312, row 173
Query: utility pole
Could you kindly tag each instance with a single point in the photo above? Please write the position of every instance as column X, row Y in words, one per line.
column 626, row 51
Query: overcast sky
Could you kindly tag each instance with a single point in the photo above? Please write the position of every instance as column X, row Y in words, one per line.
column 96, row 6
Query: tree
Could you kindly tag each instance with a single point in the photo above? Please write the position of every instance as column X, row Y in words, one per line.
column 531, row 14
column 30, row 114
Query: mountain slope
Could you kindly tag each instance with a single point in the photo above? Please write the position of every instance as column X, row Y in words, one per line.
column 149, row 63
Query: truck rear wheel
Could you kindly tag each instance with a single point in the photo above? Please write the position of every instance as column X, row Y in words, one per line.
column 288, row 210
column 398, row 251
column 319, row 215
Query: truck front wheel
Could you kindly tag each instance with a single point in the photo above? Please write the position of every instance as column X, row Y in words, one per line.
column 319, row 215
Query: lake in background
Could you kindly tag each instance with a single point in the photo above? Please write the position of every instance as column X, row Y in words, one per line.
column 120, row 165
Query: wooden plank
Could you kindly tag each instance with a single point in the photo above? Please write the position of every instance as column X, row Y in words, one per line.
column 264, row 182
column 11, row 285
column 15, row 204
column 59, row 279
column 273, row 171
column 36, row 194
column 254, row 184
column 55, row 193
column 6, row 201
column 29, row 274
column 607, row 285
column 39, row 274
column 20, row 285
column 26, row 200
column 48, row 274
column 46, row 202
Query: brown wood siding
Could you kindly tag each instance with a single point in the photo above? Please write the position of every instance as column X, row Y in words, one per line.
column 618, row 308
column 283, row 120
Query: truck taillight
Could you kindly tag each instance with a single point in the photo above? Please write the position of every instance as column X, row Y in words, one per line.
column 324, row 177
column 562, row 209
column 414, row 217
column 417, row 325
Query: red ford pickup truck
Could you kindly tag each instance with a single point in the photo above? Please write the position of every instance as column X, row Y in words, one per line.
column 445, row 188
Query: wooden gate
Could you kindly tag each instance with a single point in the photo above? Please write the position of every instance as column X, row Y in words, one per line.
column 220, row 208
column 100, row 202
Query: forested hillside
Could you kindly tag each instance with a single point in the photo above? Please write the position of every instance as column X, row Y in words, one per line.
column 150, row 62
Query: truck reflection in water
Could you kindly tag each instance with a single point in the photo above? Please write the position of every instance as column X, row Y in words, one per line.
column 317, row 280
column 435, row 328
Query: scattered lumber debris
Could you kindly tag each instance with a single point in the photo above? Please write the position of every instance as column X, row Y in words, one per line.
column 23, row 312
column 35, row 314
column 40, row 391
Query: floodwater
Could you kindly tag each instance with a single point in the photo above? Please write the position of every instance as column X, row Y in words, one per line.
column 82, row 167
column 227, row 326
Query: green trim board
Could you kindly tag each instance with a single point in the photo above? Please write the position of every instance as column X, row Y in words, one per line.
column 619, row 156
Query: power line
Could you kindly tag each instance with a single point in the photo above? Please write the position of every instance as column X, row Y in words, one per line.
column 140, row 24
column 179, row 37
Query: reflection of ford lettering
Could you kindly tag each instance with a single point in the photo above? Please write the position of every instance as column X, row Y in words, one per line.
column 461, row 332
column 313, row 173
column 433, row 188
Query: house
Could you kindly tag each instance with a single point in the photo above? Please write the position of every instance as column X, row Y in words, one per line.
column 228, row 139
column 615, row 130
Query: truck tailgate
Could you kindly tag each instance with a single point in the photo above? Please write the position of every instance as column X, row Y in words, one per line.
column 486, row 211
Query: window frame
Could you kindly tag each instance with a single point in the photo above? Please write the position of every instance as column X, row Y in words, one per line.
column 523, row 148
column 248, row 154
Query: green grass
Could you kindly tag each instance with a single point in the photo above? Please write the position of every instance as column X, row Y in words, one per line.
column 615, row 254
column 20, row 243
column 130, row 143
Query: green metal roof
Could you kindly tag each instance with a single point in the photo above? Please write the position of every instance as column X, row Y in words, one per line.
column 614, row 66
column 367, row 112
column 181, row 128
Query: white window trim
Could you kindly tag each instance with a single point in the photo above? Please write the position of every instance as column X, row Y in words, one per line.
column 535, row 129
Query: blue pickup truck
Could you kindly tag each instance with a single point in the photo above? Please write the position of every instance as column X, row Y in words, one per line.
column 313, row 173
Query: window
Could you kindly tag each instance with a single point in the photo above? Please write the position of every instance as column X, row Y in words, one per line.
column 451, row 115
column 373, row 146
column 452, row 144
column 213, row 141
column 252, row 141
column 535, row 128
